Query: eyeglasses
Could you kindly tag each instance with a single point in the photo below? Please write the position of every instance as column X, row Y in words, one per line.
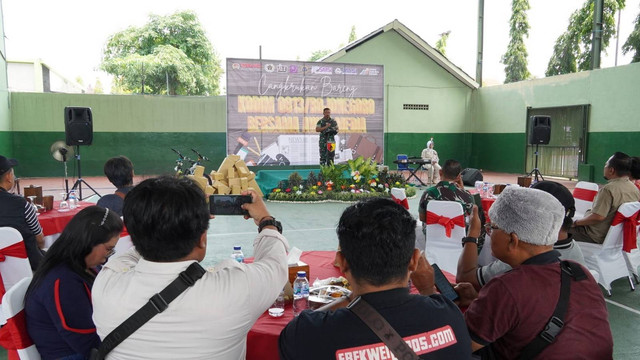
column 489, row 227
column 110, row 252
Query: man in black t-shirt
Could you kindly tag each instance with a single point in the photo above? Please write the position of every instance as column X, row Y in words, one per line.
column 377, row 255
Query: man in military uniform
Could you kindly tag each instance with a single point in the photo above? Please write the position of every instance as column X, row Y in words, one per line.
column 328, row 128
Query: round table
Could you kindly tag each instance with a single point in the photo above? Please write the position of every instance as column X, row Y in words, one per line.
column 262, row 339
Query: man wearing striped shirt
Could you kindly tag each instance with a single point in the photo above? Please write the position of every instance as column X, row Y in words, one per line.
column 17, row 213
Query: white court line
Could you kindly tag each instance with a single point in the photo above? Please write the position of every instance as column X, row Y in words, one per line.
column 286, row 231
column 622, row 306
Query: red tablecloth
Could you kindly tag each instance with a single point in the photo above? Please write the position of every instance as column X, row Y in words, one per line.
column 54, row 221
column 262, row 340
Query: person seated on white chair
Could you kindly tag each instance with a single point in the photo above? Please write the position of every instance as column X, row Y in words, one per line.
column 479, row 276
column 434, row 168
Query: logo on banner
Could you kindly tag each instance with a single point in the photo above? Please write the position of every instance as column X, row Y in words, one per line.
column 235, row 66
column 282, row 68
column 350, row 71
column 269, row 68
column 370, row 71
column 338, row 71
column 249, row 66
column 293, row 69
column 326, row 70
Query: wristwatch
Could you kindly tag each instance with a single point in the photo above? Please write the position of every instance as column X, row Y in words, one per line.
column 468, row 239
column 270, row 221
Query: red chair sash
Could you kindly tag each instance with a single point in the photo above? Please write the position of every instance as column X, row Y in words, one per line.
column 448, row 223
column 16, row 250
column 584, row 194
column 629, row 232
column 13, row 335
column 402, row 202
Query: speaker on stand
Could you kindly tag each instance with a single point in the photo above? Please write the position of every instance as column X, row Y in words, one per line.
column 78, row 129
column 539, row 133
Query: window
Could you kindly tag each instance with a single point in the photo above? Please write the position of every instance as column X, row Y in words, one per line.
column 415, row 106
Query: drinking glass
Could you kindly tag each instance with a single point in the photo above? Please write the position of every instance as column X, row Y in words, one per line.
column 277, row 308
column 64, row 205
column 478, row 185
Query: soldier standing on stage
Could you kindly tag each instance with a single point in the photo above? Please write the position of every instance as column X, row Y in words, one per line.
column 328, row 128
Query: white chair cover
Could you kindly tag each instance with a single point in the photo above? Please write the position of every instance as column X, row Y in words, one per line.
column 13, row 301
column 607, row 258
column 12, row 269
column 440, row 249
column 583, row 205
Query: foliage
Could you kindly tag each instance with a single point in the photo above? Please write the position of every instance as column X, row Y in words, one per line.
column 98, row 88
column 515, row 59
column 319, row 54
column 572, row 49
column 633, row 42
column 353, row 181
column 352, row 35
column 169, row 55
column 441, row 44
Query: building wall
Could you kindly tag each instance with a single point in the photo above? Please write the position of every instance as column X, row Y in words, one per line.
column 6, row 143
column 22, row 77
column 144, row 128
column 499, row 115
column 412, row 78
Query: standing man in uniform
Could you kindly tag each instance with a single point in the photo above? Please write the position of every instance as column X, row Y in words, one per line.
column 328, row 128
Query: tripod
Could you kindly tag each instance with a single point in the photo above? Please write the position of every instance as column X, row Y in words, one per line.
column 535, row 170
column 80, row 180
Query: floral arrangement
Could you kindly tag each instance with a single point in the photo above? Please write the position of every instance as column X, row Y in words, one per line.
column 355, row 180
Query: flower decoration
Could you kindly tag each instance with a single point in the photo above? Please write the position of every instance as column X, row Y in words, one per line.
column 287, row 190
column 319, row 192
column 298, row 192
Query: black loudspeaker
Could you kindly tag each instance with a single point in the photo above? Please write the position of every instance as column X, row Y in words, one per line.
column 78, row 125
column 540, row 131
column 470, row 176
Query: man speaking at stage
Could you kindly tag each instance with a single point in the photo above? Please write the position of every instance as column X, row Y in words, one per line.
column 328, row 128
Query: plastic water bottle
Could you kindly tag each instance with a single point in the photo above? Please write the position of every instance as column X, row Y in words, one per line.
column 237, row 254
column 485, row 190
column 300, row 293
column 73, row 200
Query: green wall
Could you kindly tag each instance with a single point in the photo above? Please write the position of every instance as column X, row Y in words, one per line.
column 499, row 115
column 144, row 128
column 6, row 144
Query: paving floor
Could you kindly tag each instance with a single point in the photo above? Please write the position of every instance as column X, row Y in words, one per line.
column 312, row 227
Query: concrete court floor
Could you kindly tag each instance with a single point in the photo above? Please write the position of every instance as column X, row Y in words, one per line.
column 312, row 227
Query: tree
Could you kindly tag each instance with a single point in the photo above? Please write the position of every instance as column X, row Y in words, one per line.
column 352, row 35
column 515, row 59
column 633, row 42
column 441, row 44
column 169, row 55
column 98, row 88
column 572, row 49
column 319, row 54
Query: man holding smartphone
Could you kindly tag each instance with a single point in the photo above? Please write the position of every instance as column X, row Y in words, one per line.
column 168, row 219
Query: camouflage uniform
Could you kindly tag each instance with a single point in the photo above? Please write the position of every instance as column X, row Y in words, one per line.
column 328, row 135
column 448, row 191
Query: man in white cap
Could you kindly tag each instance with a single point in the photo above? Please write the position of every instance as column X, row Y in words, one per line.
column 512, row 310
column 524, row 306
column 17, row 213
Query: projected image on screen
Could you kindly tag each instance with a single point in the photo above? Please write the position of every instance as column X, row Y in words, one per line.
column 273, row 107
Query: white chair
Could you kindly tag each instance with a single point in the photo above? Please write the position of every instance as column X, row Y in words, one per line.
column 632, row 258
column 13, row 309
column 14, row 264
column 607, row 258
column 584, row 193
column 442, row 249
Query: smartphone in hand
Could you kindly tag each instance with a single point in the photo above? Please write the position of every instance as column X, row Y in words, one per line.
column 228, row 204
column 443, row 285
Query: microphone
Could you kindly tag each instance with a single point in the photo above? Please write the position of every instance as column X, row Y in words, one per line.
column 200, row 155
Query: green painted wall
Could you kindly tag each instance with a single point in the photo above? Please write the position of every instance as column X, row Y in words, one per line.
column 499, row 115
column 144, row 128
column 412, row 78
column 6, row 145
